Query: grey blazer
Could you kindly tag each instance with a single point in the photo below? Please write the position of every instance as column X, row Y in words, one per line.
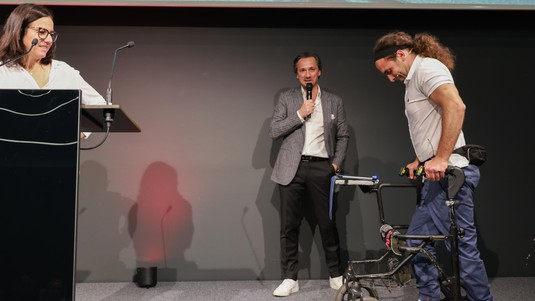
column 286, row 124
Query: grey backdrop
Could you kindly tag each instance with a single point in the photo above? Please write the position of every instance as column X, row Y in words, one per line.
column 191, row 193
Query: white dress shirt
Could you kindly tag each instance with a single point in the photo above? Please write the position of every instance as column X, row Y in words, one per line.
column 314, row 138
column 62, row 76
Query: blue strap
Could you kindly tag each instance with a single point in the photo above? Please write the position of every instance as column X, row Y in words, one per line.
column 349, row 180
column 333, row 180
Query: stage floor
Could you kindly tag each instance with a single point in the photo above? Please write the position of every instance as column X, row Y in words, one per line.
column 507, row 289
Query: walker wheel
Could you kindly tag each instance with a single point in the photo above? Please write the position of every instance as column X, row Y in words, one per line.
column 352, row 291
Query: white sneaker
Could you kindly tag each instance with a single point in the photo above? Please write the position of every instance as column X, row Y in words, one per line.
column 336, row 282
column 287, row 287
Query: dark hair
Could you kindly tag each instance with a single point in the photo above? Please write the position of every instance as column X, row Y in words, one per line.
column 303, row 55
column 15, row 27
column 423, row 44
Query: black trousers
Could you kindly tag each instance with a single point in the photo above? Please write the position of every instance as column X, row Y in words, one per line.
column 310, row 187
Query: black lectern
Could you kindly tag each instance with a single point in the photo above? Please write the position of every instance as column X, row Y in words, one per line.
column 39, row 155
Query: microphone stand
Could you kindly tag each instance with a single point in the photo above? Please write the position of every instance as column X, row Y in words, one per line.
column 108, row 113
column 109, row 90
column 163, row 235
column 34, row 42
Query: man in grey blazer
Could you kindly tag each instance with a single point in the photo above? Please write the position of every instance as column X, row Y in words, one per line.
column 312, row 125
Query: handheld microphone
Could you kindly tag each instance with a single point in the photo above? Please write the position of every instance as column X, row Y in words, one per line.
column 109, row 92
column 309, row 90
column 34, row 42
column 309, row 95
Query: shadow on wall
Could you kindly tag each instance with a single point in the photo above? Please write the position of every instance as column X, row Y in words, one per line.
column 349, row 222
column 161, row 227
column 264, row 156
column 100, row 244
column 117, row 234
column 160, row 223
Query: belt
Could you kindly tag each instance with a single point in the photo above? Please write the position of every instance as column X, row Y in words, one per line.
column 312, row 158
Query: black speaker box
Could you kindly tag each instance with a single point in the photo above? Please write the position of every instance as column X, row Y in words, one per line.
column 146, row 277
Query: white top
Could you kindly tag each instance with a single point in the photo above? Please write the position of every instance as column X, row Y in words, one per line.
column 314, row 137
column 425, row 116
column 62, row 76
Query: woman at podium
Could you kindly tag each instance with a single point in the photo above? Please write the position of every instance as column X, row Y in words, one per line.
column 27, row 47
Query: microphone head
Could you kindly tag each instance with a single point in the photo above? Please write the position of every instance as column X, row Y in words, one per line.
column 34, row 42
column 128, row 45
column 309, row 87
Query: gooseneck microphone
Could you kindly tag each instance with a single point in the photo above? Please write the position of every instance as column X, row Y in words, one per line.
column 34, row 42
column 109, row 91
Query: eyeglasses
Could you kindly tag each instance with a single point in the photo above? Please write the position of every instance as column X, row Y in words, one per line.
column 43, row 33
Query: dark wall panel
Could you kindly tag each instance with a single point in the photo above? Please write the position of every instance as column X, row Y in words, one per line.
column 191, row 193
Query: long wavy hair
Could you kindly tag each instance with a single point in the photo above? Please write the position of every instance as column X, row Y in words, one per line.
column 423, row 44
column 11, row 44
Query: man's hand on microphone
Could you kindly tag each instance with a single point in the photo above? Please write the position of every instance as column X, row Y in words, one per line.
column 307, row 108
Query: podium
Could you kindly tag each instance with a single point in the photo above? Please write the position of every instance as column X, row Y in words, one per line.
column 39, row 163
column 94, row 118
column 39, row 135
